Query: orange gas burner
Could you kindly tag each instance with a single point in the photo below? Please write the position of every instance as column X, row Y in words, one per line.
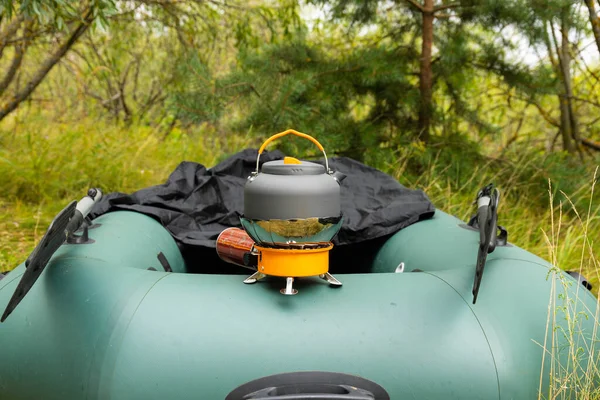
column 235, row 246
column 292, row 263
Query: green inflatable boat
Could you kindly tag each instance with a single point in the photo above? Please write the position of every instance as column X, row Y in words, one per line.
column 98, row 324
column 113, row 314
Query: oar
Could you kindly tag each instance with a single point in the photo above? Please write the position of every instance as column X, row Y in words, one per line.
column 64, row 224
column 487, row 219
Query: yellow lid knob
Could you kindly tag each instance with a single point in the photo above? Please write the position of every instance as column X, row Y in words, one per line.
column 291, row 160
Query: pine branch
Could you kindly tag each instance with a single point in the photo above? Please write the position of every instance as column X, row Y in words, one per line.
column 591, row 102
column 446, row 6
column 543, row 113
column 590, row 144
column 250, row 86
column 416, row 5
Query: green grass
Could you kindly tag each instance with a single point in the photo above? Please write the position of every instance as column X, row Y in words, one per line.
column 41, row 161
column 45, row 165
column 530, row 200
column 20, row 227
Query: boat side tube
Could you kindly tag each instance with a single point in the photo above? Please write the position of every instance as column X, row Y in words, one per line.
column 531, row 312
column 440, row 243
column 130, row 239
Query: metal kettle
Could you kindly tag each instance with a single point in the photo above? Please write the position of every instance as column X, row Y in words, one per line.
column 291, row 202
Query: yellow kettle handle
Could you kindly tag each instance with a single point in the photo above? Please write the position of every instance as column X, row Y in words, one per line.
column 293, row 132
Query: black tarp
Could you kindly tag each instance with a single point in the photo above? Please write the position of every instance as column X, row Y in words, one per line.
column 196, row 203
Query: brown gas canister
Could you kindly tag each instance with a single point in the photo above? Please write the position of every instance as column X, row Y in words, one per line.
column 235, row 246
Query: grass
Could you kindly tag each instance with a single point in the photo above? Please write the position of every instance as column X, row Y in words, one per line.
column 45, row 166
column 21, row 226
column 522, row 210
column 58, row 161
column 571, row 367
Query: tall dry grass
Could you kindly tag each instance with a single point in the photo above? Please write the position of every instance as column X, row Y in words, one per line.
column 570, row 358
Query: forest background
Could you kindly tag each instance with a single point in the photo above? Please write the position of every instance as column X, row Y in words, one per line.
column 445, row 95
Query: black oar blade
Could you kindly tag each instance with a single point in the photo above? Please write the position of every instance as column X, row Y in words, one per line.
column 483, row 219
column 54, row 237
column 481, row 257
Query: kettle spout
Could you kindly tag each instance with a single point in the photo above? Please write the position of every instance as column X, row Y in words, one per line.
column 338, row 176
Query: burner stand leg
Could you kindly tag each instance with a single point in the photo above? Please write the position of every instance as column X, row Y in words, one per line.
column 289, row 290
column 255, row 277
column 330, row 279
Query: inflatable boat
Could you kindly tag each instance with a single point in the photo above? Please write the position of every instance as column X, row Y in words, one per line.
column 116, row 315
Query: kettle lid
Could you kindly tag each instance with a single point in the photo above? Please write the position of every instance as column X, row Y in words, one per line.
column 292, row 166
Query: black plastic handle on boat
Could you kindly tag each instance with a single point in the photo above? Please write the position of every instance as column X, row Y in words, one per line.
column 311, row 392
column 309, row 385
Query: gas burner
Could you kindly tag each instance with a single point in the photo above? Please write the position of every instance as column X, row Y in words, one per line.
column 292, row 211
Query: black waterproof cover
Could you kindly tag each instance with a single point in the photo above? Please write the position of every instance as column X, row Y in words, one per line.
column 196, row 203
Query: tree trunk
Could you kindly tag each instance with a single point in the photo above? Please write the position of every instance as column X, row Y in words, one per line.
column 8, row 32
column 594, row 21
column 425, row 72
column 19, row 51
column 565, row 125
column 563, row 74
column 46, row 66
column 565, row 51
